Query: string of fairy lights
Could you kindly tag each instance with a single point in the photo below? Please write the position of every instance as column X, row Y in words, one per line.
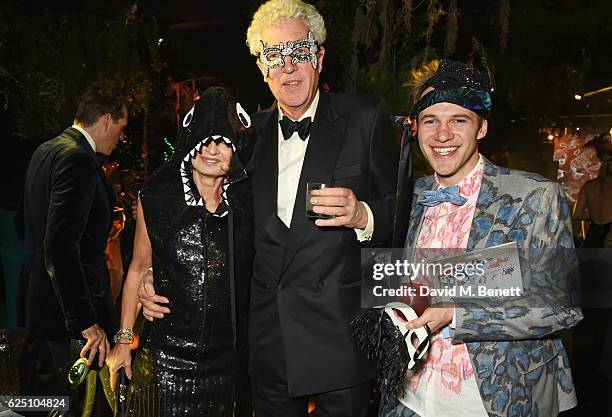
column 169, row 150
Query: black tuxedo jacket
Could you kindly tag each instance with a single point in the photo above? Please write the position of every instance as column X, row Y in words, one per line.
column 306, row 279
column 68, row 205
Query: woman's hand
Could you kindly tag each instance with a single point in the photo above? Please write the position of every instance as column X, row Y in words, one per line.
column 119, row 357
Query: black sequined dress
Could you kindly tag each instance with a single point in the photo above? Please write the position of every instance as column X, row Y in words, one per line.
column 193, row 362
column 188, row 364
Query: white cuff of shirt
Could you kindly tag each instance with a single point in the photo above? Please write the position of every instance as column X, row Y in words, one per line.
column 364, row 235
column 453, row 323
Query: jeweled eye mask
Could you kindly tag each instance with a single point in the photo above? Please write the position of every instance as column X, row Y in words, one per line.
column 301, row 50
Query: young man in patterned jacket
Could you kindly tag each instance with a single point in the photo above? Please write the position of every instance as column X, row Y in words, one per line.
column 497, row 357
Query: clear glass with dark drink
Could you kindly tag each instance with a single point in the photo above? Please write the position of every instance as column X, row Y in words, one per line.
column 309, row 212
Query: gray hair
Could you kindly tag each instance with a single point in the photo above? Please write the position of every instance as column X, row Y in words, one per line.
column 274, row 10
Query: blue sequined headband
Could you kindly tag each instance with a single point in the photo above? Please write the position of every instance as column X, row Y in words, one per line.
column 457, row 83
column 475, row 100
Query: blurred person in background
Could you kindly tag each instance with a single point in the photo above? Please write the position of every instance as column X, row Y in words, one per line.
column 594, row 204
column 68, row 212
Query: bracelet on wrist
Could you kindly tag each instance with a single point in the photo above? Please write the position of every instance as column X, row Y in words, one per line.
column 124, row 336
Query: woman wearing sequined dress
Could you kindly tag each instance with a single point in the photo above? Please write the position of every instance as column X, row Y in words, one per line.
column 194, row 228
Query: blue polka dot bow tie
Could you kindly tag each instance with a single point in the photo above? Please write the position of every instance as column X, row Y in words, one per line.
column 288, row 127
column 451, row 194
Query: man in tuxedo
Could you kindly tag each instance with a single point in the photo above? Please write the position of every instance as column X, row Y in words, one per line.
column 306, row 273
column 487, row 356
column 68, row 207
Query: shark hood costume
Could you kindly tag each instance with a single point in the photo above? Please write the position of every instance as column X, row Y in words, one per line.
column 215, row 117
column 194, row 361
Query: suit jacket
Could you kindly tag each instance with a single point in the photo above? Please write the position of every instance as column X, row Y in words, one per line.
column 306, row 280
column 520, row 364
column 68, row 206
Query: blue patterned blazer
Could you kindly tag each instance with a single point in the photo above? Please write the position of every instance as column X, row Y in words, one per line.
column 521, row 366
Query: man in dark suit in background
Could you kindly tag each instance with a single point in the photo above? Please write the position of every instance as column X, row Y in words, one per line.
column 306, row 274
column 68, row 206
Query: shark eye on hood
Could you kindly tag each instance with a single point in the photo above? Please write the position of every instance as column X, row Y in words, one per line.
column 243, row 116
column 188, row 117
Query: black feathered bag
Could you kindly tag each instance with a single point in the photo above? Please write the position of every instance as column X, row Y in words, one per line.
column 383, row 337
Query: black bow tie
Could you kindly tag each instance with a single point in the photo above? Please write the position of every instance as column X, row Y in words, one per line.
column 288, row 127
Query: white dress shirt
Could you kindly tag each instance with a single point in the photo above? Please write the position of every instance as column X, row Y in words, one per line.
column 290, row 159
column 87, row 136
